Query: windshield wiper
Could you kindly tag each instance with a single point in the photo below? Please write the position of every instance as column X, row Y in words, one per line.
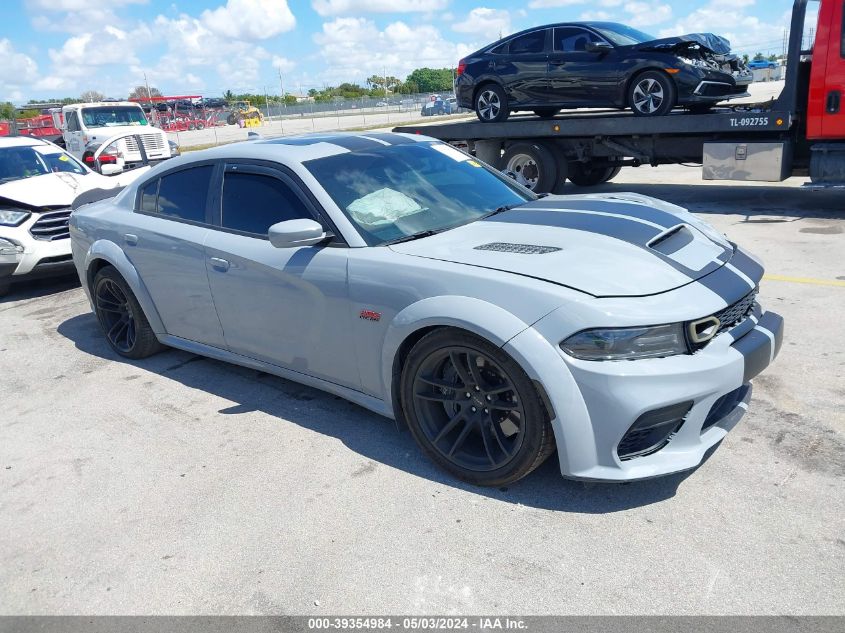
column 415, row 236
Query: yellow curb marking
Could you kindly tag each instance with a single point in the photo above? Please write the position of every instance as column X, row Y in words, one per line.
column 805, row 280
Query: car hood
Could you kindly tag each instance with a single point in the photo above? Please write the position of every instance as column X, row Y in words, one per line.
column 619, row 245
column 713, row 43
column 54, row 190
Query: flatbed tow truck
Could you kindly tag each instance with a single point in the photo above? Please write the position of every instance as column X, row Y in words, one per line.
column 801, row 133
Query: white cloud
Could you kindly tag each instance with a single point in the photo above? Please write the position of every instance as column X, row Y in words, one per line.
column 250, row 19
column 354, row 47
column 488, row 23
column 76, row 16
column 283, row 64
column 357, row 7
column 16, row 72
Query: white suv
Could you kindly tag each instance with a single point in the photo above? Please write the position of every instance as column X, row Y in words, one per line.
column 38, row 183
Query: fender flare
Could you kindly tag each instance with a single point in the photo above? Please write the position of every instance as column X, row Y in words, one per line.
column 487, row 320
column 111, row 253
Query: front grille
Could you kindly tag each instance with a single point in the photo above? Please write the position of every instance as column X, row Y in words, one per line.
column 723, row 406
column 51, row 226
column 738, row 312
column 652, row 431
column 522, row 249
column 153, row 143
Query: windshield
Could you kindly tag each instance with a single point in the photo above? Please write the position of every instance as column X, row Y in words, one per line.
column 402, row 190
column 17, row 163
column 620, row 34
column 112, row 116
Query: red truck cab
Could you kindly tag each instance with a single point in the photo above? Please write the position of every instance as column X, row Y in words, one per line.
column 825, row 108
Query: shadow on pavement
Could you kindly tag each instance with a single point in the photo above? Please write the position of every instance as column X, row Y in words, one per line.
column 755, row 203
column 33, row 289
column 366, row 433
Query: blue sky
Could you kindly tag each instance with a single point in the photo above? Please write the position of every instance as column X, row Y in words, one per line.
column 51, row 48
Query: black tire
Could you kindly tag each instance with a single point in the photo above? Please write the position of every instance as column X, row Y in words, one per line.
column 546, row 113
column 491, row 104
column 121, row 317
column 5, row 286
column 533, row 164
column 652, row 93
column 200, row 125
column 192, row 126
column 587, row 175
column 231, row 119
column 497, row 435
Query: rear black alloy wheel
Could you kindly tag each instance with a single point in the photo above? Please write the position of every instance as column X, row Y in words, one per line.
column 473, row 409
column 491, row 104
column 652, row 93
column 121, row 317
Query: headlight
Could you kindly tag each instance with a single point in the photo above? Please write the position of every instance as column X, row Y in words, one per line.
column 627, row 343
column 12, row 217
column 8, row 247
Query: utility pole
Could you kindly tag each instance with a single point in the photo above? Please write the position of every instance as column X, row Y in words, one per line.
column 282, row 86
column 147, row 84
column 385, row 83
column 267, row 104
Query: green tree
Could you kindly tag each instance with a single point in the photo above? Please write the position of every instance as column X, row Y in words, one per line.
column 91, row 95
column 431, row 79
column 7, row 111
column 758, row 57
column 140, row 92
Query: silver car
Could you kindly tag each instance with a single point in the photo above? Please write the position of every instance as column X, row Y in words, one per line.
column 412, row 279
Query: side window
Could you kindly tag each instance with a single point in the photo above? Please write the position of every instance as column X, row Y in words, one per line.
column 183, row 194
column 253, row 203
column 534, row 42
column 72, row 122
column 149, row 195
column 569, row 39
column 501, row 49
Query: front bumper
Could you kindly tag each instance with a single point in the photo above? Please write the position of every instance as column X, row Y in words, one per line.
column 39, row 259
column 595, row 404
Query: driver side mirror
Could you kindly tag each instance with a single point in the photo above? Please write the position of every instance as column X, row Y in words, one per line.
column 295, row 233
column 598, row 47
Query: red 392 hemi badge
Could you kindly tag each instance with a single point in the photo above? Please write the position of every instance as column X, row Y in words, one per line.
column 370, row 315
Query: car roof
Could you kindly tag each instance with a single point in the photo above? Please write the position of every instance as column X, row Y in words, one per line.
column 20, row 141
column 302, row 148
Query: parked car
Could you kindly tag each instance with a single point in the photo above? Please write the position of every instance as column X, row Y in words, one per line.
column 408, row 277
column 214, row 103
column 436, row 106
column 38, row 182
column 761, row 64
column 598, row 64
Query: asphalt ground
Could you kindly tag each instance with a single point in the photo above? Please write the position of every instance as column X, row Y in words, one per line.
column 180, row 485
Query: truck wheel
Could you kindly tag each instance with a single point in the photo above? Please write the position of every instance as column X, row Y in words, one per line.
column 491, row 104
column 231, row 119
column 200, row 125
column 586, row 175
column 533, row 165
column 652, row 93
column 546, row 113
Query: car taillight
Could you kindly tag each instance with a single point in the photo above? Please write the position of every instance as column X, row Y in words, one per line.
column 462, row 66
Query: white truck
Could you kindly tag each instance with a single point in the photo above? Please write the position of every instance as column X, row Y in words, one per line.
column 113, row 136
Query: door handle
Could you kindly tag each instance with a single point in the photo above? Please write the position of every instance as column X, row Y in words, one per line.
column 130, row 239
column 219, row 264
column 833, row 100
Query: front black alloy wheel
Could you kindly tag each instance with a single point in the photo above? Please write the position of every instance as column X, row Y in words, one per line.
column 653, row 93
column 121, row 317
column 473, row 410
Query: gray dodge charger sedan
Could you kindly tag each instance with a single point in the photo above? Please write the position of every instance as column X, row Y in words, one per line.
column 412, row 279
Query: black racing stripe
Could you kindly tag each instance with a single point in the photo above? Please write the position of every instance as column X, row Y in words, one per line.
column 650, row 214
column 619, row 228
column 747, row 266
column 393, row 139
column 774, row 324
column 725, row 283
column 756, row 349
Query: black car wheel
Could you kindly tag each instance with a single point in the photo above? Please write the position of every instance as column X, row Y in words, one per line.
column 121, row 317
column 491, row 104
column 473, row 410
column 587, row 175
column 652, row 93
column 532, row 165
column 231, row 119
column 546, row 113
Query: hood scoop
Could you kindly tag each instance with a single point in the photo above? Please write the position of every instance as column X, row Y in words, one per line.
column 521, row 249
